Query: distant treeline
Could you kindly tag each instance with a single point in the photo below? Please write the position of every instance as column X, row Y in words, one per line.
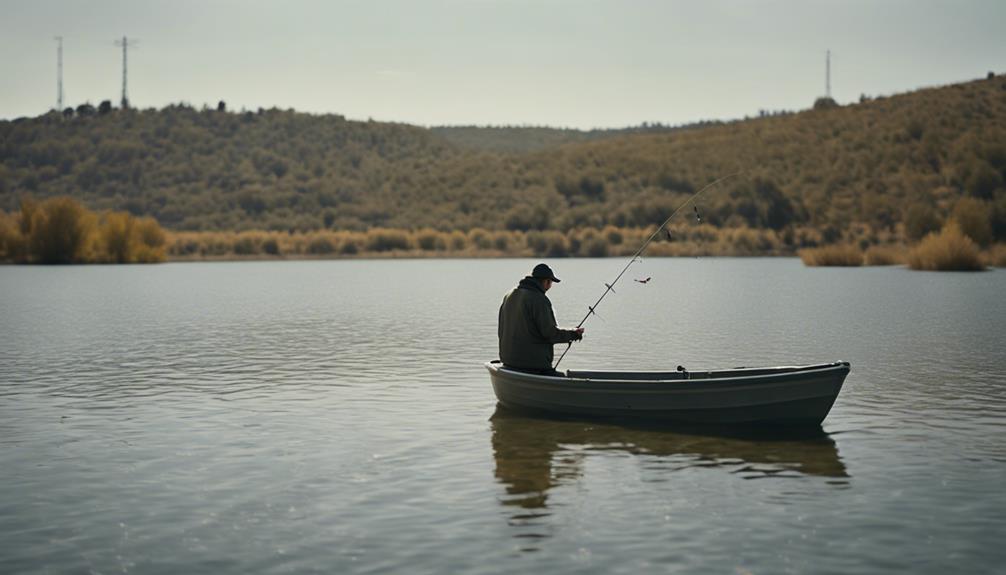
column 896, row 165
column 516, row 139
column 61, row 231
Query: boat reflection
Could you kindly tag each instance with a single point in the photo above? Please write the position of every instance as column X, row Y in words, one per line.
column 534, row 455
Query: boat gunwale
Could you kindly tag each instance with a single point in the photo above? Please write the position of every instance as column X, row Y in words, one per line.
column 498, row 368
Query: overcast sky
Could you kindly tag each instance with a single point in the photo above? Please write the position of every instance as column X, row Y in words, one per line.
column 571, row 63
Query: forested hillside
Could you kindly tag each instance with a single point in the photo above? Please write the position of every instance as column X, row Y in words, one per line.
column 874, row 166
column 517, row 139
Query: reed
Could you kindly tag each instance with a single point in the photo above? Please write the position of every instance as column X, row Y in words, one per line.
column 949, row 250
column 840, row 255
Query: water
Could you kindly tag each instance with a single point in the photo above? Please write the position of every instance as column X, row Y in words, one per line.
column 299, row 417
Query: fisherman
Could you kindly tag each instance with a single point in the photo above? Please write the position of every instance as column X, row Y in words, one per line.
column 527, row 329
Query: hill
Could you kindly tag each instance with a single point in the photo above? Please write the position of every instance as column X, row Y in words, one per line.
column 878, row 167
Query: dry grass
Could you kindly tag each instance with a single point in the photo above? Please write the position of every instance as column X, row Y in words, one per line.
column 844, row 255
column 885, row 256
column 950, row 250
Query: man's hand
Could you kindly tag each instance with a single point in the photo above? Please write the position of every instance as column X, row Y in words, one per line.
column 577, row 334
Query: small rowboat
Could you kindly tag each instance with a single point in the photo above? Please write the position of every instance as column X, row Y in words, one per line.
column 795, row 395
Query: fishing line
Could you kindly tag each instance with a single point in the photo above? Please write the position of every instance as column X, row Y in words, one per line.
column 609, row 287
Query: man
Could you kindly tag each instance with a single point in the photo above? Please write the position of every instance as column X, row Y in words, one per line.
column 527, row 329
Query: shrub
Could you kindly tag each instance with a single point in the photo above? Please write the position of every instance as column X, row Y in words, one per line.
column 270, row 245
column 744, row 240
column 125, row 239
column 150, row 232
column 884, row 256
column 149, row 255
column 245, row 245
column 537, row 242
column 547, row 243
column 845, row 255
column 996, row 256
column 183, row 245
column 349, row 246
column 613, row 235
column 480, row 238
column 430, row 240
column 458, row 241
column 950, row 250
column 573, row 242
column 385, row 240
column 214, row 245
column 595, row 247
column 501, row 241
column 320, row 245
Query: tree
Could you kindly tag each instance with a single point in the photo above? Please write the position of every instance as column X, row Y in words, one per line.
column 825, row 103
column 984, row 181
column 779, row 211
column 59, row 231
column 920, row 220
column 105, row 107
column 221, row 106
column 973, row 217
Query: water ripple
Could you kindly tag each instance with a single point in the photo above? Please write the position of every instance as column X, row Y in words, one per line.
column 334, row 417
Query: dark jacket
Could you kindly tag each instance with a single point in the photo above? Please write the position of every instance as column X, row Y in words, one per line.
column 527, row 329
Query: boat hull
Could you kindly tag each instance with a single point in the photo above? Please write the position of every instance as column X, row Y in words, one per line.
column 801, row 395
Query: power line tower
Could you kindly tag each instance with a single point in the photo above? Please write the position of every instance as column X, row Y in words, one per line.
column 125, row 43
column 59, row 73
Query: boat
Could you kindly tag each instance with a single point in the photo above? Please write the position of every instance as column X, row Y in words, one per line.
column 789, row 395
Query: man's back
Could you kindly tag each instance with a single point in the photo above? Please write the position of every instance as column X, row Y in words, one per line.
column 527, row 329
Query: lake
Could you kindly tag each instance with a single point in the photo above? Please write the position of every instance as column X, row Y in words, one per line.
column 335, row 417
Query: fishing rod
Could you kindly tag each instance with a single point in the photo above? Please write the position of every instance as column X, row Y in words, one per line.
column 635, row 257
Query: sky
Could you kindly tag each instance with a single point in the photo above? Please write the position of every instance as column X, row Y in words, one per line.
column 564, row 63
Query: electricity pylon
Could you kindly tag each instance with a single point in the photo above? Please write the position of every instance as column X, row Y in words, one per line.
column 125, row 43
